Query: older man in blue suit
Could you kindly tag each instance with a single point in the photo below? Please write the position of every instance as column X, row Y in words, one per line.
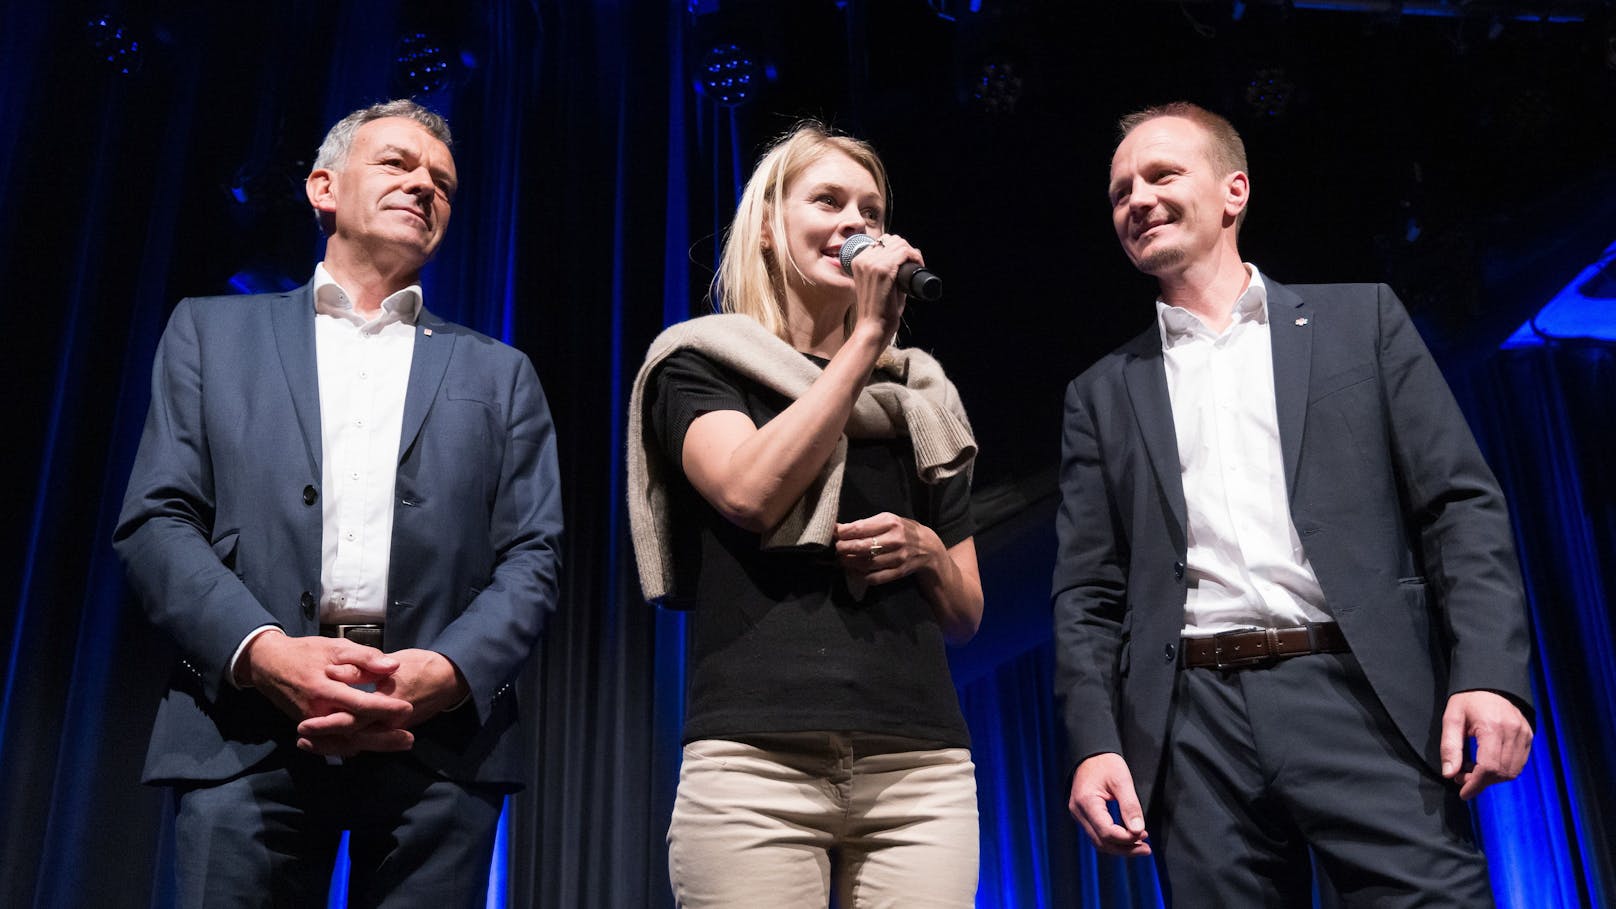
column 1286, row 592
column 345, row 512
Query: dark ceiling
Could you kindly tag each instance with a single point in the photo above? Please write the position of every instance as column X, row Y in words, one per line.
column 1462, row 157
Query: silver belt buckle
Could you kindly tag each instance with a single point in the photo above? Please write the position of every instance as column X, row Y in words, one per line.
column 1271, row 638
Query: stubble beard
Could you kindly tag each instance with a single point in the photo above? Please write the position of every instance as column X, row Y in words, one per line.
column 1160, row 259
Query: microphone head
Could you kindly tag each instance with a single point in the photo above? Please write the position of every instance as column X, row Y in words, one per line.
column 851, row 247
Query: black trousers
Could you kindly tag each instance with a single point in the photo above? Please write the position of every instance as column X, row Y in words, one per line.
column 1264, row 764
column 269, row 838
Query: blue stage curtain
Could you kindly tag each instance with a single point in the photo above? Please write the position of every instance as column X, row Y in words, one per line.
column 1033, row 854
column 594, row 183
column 1548, row 425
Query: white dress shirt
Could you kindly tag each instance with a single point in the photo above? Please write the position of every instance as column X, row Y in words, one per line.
column 1245, row 565
column 363, row 368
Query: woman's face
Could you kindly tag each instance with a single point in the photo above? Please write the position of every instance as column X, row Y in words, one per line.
column 830, row 200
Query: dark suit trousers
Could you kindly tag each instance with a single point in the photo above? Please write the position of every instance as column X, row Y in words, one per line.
column 269, row 838
column 1263, row 763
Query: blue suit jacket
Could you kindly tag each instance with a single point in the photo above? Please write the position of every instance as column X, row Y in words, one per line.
column 1400, row 517
column 221, row 526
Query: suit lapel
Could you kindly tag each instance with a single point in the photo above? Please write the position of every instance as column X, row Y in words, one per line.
column 1290, row 328
column 1146, row 378
column 434, row 342
column 292, row 316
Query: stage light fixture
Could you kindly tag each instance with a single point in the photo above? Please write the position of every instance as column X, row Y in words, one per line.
column 1269, row 92
column 114, row 44
column 421, row 67
column 996, row 88
column 262, row 279
column 729, row 75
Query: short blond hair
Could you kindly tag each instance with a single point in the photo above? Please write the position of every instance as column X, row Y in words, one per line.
column 750, row 279
column 1224, row 147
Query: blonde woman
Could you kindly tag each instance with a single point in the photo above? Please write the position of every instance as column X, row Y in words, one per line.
column 802, row 485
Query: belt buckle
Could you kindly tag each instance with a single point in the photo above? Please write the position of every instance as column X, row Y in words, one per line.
column 1271, row 638
column 343, row 629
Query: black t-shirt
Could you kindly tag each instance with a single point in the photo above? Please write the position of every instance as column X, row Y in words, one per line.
column 778, row 642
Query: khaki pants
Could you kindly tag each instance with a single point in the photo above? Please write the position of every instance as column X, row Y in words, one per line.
column 777, row 821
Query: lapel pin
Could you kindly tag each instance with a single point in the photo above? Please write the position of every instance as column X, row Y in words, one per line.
column 428, row 331
column 1301, row 321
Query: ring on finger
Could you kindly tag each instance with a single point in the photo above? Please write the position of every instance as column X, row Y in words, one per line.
column 875, row 549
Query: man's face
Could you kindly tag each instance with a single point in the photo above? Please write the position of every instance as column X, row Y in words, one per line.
column 393, row 193
column 1169, row 204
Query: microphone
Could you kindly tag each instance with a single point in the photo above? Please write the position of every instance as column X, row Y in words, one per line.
column 913, row 280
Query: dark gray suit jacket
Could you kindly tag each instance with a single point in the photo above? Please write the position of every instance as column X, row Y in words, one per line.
column 221, row 526
column 1400, row 517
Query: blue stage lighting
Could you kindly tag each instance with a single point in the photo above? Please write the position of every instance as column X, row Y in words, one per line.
column 728, row 75
column 422, row 68
column 114, row 44
column 996, row 87
column 1585, row 310
column 1269, row 92
column 262, row 279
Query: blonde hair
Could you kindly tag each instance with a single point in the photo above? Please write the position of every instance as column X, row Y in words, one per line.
column 750, row 279
column 1224, row 147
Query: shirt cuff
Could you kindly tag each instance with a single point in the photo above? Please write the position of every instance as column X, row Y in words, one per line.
column 242, row 648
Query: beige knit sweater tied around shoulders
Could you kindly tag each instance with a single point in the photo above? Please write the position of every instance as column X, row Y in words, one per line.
column 921, row 404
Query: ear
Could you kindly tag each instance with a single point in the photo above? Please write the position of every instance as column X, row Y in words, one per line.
column 321, row 189
column 767, row 239
column 1237, row 194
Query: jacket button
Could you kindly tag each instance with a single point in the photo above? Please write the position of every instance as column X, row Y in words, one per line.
column 1169, row 652
column 307, row 600
column 1178, row 570
column 310, row 495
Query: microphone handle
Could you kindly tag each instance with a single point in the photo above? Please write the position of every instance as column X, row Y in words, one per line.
column 919, row 282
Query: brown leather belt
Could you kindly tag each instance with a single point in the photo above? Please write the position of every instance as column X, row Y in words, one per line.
column 1237, row 649
column 369, row 635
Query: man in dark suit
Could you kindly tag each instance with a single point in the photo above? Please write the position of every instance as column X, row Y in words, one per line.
column 1286, row 593
column 345, row 512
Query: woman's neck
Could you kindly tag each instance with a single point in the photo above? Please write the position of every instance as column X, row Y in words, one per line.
column 816, row 326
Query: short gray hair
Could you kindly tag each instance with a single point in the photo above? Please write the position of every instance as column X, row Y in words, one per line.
column 334, row 149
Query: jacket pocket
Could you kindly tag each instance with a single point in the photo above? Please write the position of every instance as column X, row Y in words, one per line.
column 1342, row 380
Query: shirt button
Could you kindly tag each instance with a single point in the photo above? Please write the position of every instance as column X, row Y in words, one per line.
column 354, row 475
column 359, row 422
column 350, row 535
